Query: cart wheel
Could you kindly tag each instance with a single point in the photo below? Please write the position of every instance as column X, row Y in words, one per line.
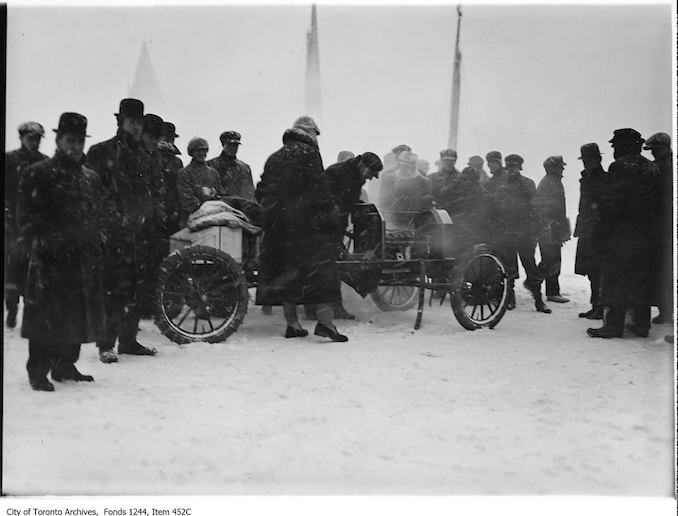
column 479, row 291
column 395, row 298
column 201, row 295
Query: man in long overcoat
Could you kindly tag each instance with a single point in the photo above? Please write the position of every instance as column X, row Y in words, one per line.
column 170, row 164
column 554, row 230
column 589, row 258
column 16, row 161
column 59, row 220
column 627, row 213
column 300, row 224
column 444, row 180
column 197, row 182
column 660, row 146
column 514, row 229
column 131, row 205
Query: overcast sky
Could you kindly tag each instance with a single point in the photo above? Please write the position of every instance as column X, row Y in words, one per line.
column 536, row 80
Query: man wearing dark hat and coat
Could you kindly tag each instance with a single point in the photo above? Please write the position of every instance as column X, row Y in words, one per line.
column 236, row 175
column 589, row 258
column 346, row 179
column 627, row 218
column 497, row 170
column 197, row 182
column 514, row 231
column 170, row 164
column 443, row 181
column 382, row 190
column 477, row 162
column 659, row 144
column 130, row 207
column 554, row 231
column 16, row 161
column 300, row 224
column 60, row 221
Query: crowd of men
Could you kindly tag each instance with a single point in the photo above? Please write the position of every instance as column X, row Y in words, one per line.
column 85, row 234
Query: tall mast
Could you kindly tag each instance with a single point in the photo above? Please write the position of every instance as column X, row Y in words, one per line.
column 456, row 84
column 312, row 97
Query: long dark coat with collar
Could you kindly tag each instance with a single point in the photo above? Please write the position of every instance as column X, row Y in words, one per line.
column 627, row 224
column 60, row 221
column 135, row 216
column 590, row 250
column 16, row 162
column 300, row 222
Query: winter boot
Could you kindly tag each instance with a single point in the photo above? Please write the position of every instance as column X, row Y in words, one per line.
column 64, row 371
column 323, row 331
column 12, row 309
column 606, row 332
column 510, row 296
column 539, row 303
column 41, row 383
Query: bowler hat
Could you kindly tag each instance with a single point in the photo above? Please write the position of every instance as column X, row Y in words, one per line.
column 131, row 108
column 153, row 125
column 657, row 140
column 589, row 150
column 476, row 160
column 493, row 156
column 448, row 154
column 514, row 158
column 553, row 161
column 169, row 130
column 72, row 123
column 31, row 128
column 230, row 137
column 307, row 123
column 627, row 135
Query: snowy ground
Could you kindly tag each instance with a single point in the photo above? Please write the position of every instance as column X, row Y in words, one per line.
column 532, row 407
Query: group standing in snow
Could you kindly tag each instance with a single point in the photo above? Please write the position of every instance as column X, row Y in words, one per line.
column 86, row 233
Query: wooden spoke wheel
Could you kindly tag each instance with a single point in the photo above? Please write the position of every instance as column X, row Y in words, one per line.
column 201, row 295
column 395, row 298
column 479, row 291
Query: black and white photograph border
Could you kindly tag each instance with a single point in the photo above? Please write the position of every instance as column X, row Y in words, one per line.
column 439, row 416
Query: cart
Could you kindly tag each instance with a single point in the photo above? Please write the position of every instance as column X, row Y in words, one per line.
column 202, row 289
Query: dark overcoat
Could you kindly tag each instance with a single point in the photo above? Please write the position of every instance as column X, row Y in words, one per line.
column 412, row 195
column 443, row 184
column 16, row 260
column 553, row 227
column 196, row 183
column 515, row 216
column 627, row 218
column 60, row 218
column 665, row 229
column 134, row 216
column 590, row 248
column 346, row 183
column 472, row 212
column 236, row 176
column 170, row 164
column 300, row 224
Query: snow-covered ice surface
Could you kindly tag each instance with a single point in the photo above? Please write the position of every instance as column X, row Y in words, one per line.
column 532, row 407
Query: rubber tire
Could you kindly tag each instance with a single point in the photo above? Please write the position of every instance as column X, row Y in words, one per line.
column 457, row 302
column 385, row 306
column 174, row 262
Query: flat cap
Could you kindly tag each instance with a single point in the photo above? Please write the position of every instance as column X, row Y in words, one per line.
column 494, row 155
column 627, row 135
column 657, row 140
column 476, row 160
column 307, row 123
column 31, row 128
column 554, row 161
column 408, row 157
column 400, row 148
column 589, row 149
column 514, row 158
column 230, row 137
column 448, row 154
